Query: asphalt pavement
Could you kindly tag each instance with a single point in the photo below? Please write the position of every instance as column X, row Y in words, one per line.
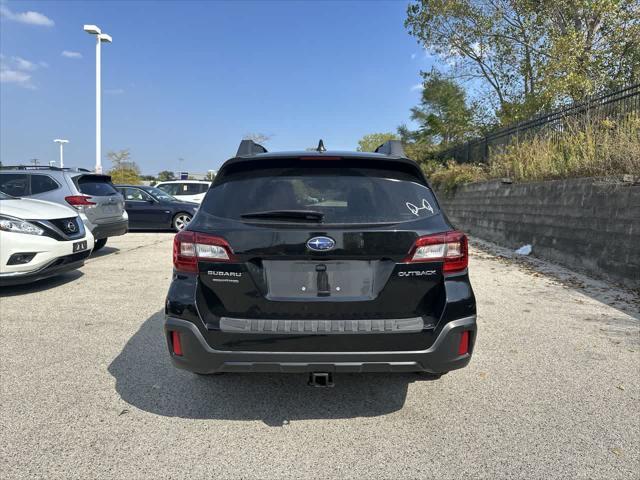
column 87, row 389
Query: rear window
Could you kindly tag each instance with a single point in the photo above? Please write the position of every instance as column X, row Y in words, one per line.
column 95, row 185
column 344, row 195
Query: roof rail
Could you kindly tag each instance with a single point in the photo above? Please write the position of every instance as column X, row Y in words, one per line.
column 391, row 147
column 29, row 167
column 248, row 148
column 44, row 167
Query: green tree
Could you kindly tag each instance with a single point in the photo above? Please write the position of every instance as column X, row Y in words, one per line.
column 416, row 147
column 124, row 170
column 443, row 113
column 490, row 41
column 532, row 54
column 370, row 142
column 592, row 46
column 166, row 175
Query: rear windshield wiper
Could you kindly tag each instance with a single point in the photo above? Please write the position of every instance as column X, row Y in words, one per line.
column 311, row 215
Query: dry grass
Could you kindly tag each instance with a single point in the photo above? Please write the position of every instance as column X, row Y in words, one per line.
column 596, row 149
column 448, row 177
column 592, row 150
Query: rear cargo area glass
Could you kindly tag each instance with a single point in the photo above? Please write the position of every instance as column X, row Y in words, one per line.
column 97, row 185
column 344, row 195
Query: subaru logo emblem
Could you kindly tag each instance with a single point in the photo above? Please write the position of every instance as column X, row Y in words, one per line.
column 321, row 244
column 71, row 227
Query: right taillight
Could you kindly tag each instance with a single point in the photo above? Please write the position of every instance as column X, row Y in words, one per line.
column 189, row 247
column 450, row 248
column 79, row 201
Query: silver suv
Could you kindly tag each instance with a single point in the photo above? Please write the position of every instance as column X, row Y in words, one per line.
column 99, row 204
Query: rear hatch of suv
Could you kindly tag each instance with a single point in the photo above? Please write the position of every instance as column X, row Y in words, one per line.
column 290, row 251
column 108, row 204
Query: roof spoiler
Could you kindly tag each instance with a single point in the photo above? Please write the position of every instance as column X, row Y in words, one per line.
column 248, row 148
column 391, row 147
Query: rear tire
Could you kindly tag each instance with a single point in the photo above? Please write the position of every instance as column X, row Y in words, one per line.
column 101, row 242
column 180, row 221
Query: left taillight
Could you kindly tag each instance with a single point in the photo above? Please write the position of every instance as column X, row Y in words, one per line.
column 189, row 247
column 450, row 248
column 79, row 201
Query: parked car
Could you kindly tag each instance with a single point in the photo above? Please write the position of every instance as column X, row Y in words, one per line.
column 39, row 239
column 93, row 196
column 185, row 190
column 320, row 262
column 152, row 208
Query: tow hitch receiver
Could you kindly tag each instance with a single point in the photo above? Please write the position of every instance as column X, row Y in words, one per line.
column 321, row 379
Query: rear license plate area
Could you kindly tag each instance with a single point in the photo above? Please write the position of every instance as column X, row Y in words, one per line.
column 110, row 209
column 305, row 280
column 79, row 246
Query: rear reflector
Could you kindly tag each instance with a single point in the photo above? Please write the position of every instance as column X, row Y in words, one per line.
column 189, row 247
column 464, row 343
column 175, row 343
column 321, row 157
column 450, row 248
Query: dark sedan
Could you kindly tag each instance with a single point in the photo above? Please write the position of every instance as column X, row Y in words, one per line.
column 151, row 208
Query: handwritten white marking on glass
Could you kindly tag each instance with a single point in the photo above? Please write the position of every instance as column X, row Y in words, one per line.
column 425, row 206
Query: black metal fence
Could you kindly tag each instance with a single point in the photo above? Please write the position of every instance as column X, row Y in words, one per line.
column 620, row 104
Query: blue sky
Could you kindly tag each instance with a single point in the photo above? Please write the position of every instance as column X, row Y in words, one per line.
column 189, row 78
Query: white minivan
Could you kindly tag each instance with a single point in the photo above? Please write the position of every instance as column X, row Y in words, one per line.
column 185, row 190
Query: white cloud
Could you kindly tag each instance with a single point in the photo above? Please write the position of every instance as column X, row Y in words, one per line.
column 21, row 79
column 26, row 65
column 417, row 87
column 413, row 56
column 30, row 18
column 70, row 54
column 114, row 91
column 17, row 70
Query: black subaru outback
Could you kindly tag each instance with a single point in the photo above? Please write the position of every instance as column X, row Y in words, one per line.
column 320, row 262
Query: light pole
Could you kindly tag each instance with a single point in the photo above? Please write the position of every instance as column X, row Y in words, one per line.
column 100, row 37
column 61, row 142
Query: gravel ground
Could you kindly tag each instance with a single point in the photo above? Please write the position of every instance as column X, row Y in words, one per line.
column 87, row 389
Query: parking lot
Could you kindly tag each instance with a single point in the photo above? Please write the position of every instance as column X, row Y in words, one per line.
column 553, row 390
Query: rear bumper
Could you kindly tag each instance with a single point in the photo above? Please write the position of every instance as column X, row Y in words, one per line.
column 113, row 229
column 441, row 357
